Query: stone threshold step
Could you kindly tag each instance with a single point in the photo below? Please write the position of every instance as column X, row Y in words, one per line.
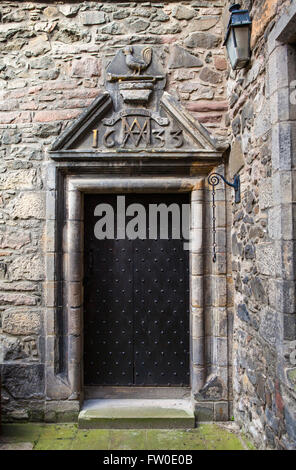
column 136, row 414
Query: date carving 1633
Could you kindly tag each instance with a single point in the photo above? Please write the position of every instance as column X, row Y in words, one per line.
column 137, row 133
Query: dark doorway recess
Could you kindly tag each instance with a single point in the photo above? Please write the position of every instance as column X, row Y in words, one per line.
column 136, row 302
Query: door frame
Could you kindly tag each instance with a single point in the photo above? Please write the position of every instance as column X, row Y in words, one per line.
column 209, row 354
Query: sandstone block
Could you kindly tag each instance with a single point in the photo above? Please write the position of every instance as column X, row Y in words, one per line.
column 17, row 299
column 205, row 106
column 21, row 322
column 202, row 40
column 220, row 63
column 39, row 45
column 29, row 267
column 28, row 205
column 14, row 239
column 180, row 58
column 266, row 12
column 19, row 179
column 183, row 13
column 56, row 115
column 139, row 25
column 267, row 259
column 69, row 10
column 236, row 158
column 51, row 12
column 93, row 17
column 210, row 76
column 87, row 67
column 204, row 23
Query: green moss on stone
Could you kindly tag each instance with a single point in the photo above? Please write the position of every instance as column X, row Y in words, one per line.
column 207, row 436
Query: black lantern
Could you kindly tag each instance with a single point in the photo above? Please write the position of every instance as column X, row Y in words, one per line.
column 238, row 36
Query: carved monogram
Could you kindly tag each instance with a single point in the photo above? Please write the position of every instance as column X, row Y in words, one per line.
column 134, row 131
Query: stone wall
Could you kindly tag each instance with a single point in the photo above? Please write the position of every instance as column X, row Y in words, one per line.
column 52, row 58
column 262, row 237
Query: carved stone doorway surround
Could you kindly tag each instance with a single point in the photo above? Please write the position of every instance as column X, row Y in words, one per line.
column 78, row 165
column 64, row 287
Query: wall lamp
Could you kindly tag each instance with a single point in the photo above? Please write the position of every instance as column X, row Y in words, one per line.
column 238, row 37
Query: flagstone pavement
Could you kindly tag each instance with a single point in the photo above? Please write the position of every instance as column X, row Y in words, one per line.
column 207, row 436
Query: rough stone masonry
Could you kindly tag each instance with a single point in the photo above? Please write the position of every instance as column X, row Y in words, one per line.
column 52, row 57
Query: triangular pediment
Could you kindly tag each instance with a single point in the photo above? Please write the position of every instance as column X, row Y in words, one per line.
column 135, row 115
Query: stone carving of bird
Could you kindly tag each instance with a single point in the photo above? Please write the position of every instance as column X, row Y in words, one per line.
column 135, row 64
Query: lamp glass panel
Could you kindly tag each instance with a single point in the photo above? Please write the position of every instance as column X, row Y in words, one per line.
column 231, row 50
column 242, row 41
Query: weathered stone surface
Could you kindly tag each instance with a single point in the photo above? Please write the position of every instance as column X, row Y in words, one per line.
column 21, row 179
column 68, row 10
column 180, row 58
column 204, row 411
column 50, row 12
column 249, row 251
column 258, row 290
column 202, row 40
column 183, row 13
column 50, row 71
column 16, row 239
column 114, row 28
column 121, row 14
column 27, row 267
column 212, row 390
column 247, row 114
column 267, row 10
column 91, row 17
column 160, row 16
column 268, row 326
column 17, row 299
column 220, row 63
column 205, row 106
column 204, row 23
column 70, row 33
column 265, row 194
column 21, row 322
column 203, row 92
column 210, row 76
column 236, row 158
column 139, row 25
column 56, row 115
column 12, row 349
column 39, row 45
column 23, row 381
column 88, row 67
column 27, row 205
column 290, row 418
column 11, row 137
column 291, row 375
column 267, row 261
column 142, row 11
column 236, row 126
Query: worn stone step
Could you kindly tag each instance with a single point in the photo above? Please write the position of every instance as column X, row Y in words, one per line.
column 136, row 414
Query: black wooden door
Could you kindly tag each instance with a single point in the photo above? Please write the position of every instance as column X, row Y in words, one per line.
column 136, row 297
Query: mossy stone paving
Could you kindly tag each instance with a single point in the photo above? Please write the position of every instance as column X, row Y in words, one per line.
column 206, row 436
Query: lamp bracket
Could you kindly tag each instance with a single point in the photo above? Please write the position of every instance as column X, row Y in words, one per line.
column 213, row 180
